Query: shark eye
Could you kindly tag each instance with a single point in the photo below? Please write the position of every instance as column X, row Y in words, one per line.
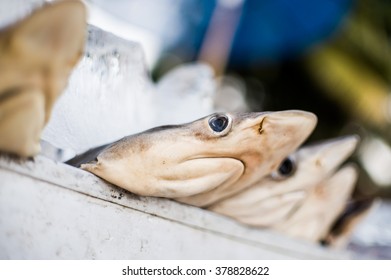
column 219, row 123
column 286, row 169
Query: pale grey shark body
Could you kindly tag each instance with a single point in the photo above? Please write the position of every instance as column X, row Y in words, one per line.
column 203, row 161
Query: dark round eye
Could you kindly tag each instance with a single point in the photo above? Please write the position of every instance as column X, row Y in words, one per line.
column 287, row 168
column 218, row 123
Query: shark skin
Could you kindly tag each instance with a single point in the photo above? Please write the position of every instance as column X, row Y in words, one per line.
column 316, row 215
column 36, row 58
column 270, row 201
column 281, row 133
column 196, row 164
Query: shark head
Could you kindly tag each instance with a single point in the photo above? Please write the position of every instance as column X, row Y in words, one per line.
column 202, row 161
column 316, row 214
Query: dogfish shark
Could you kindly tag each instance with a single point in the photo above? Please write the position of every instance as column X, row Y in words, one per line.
column 203, row 161
column 316, row 215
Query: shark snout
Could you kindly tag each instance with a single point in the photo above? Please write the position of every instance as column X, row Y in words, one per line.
column 300, row 122
column 286, row 130
column 331, row 154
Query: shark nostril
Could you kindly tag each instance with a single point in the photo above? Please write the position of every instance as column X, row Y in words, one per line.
column 318, row 163
column 261, row 126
